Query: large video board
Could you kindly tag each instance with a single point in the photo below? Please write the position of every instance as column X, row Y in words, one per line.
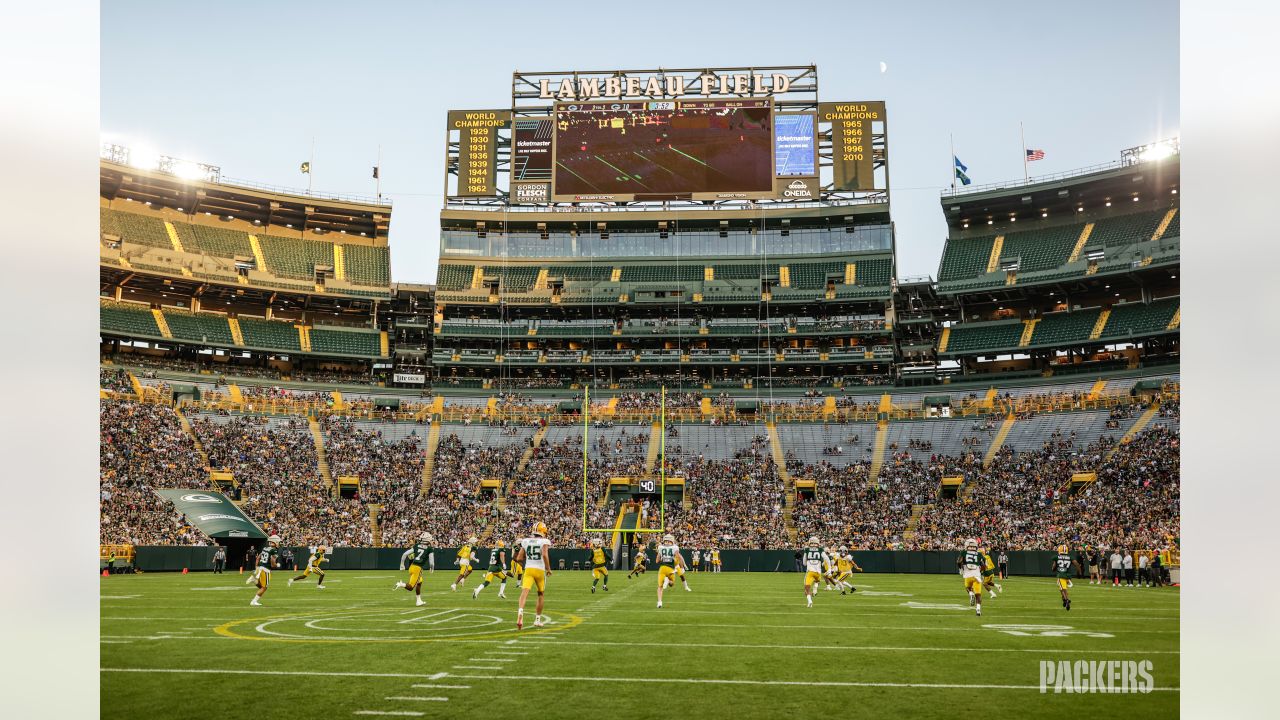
column 670, row 149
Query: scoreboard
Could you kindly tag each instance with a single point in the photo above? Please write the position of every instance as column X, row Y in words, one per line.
column 674, row 135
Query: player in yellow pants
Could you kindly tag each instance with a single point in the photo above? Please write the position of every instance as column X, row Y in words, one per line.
column 599, row 565
column 971, row 570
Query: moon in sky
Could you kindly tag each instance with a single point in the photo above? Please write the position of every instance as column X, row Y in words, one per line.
column 883, row 67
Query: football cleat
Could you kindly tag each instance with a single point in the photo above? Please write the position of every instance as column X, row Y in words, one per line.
column 319, row 587
column 254, row 601
column 290, row 583
column 420, row 602
column 454, row 587
column 400, row 585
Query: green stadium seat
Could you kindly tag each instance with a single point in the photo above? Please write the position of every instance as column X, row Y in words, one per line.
column 367, row 265
column 587, row 272
column 202, row 327
column 1062, row 328
column 127, row 319
column 873, row 273
column 135, row 228
column 667, row 273
column 1042, row 248
column 454, row 277
column 965, row 258
column 1134, row 319
column 516, row 279
column 295, row 258
column 1127, row 229
column 993, row 336
column 814, row 275
column 744, row 271
column 216, row 241
column 345, row 342
column 274, row 334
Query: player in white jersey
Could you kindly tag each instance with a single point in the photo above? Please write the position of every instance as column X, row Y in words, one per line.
column 534, row 553
column 971, row 570
column 670, row 562
column 815, row 559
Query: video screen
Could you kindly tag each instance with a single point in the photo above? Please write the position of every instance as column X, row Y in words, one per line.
column 794, row 151
column 667, row 147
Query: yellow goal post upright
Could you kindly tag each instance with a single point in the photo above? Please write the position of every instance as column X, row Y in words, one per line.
column 662, row 467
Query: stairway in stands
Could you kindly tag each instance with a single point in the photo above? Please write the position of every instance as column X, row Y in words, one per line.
column 375, row 528
column 999, row 439
column 655, row 447
column 429, row 459
column 788, row 484
column 916, row 511
column 322, row 460
column 524, row 462
column 1138, row 426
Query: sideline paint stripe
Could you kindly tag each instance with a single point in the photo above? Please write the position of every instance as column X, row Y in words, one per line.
column 444, row 687
column 784, row 683
column 306, row 673
column 409, row 713
column 860, row 648
column 416, row 698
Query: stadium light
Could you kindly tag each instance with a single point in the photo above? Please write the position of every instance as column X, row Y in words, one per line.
column 1173, row 191
column 1135, row 198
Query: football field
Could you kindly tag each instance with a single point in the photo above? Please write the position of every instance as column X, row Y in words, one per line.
column 740, row 645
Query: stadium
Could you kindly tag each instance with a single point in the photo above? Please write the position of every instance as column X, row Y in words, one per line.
column 664, row 332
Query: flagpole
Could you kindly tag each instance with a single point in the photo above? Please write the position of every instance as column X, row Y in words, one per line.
column 1023, row 132
column 378, row 174
column 311, row 166
column 952, row 164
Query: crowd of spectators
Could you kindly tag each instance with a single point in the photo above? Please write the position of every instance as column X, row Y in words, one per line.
column 142, row 447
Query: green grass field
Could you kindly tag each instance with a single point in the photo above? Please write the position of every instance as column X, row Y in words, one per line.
column 741, row 645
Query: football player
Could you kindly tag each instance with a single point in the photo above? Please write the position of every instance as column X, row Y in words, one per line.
column 465, row 557
column 642, row 559
column 419, row 556
column 267, row 559
column 534, row 553
column 1062, row 569
column 845, row 567
column 670, row 562
column 715, row 559
column 989, row 573
column 313, row 566
column 814, row 557
column 971, row 570
column 599, row 565
column 497, row 569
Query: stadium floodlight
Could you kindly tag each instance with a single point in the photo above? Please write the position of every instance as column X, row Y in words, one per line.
column 1151, row 152
column 143, row 158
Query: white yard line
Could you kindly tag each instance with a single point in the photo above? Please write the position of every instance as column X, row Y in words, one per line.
column 416, row 698
column 443, row 687
column 409, row 713
column 860, row 648
column 476, row 667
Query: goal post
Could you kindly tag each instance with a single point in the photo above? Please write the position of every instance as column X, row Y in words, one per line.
column 661, row 429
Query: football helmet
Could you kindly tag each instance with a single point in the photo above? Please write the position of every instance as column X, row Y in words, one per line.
column 669, row 539
column 1062, row 548
column 595, row 542
column 501, row 544
column 473, row 540
column 274, row 539
column 813, row 541
column 425, row 537
column 970, row 544
column 540, row 529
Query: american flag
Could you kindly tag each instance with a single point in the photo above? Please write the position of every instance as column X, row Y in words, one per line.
column 1035, row 154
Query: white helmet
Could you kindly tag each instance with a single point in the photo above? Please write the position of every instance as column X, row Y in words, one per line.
column 844, row 548
column 813, row 541
column 970, row 544
column 595, row 542
column 473, row 540
column 274, row 539
column 669, row 538
column 425, row 537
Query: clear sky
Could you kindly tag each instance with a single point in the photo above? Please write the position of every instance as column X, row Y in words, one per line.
column 247, row 85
